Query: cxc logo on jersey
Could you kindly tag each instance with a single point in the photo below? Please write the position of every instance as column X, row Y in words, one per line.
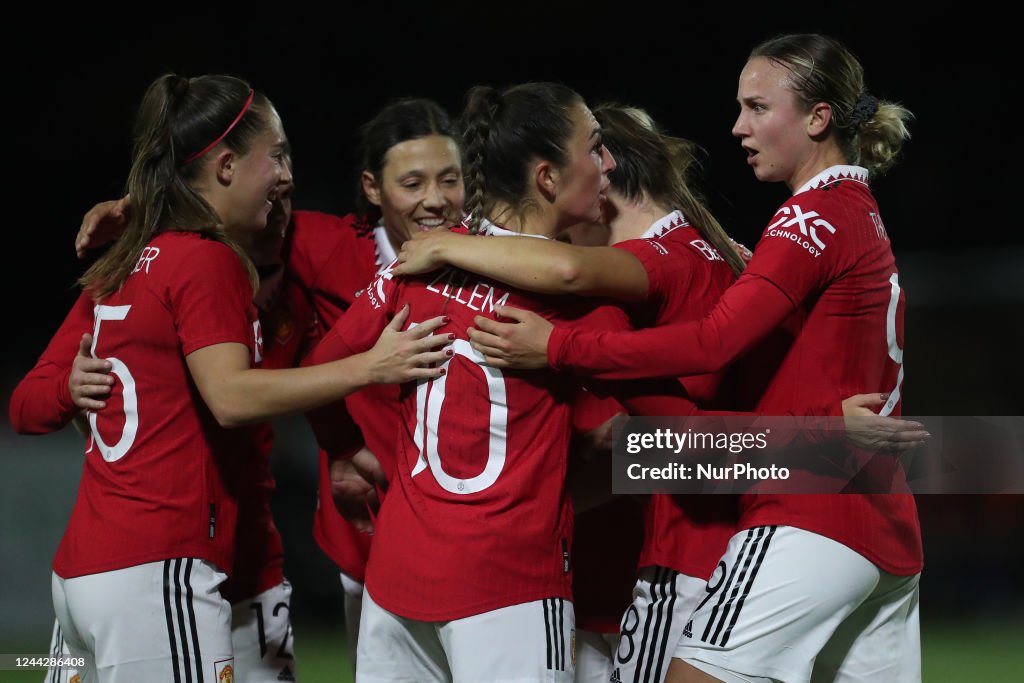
column 808, row 223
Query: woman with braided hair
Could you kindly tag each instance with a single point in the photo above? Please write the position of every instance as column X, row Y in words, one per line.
column 469, row 578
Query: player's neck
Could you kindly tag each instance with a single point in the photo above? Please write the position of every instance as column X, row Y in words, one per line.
column 824, row 155
column 531, row 220
column 631, row 219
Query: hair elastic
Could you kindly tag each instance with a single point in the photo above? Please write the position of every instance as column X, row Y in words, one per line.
column 863, row 110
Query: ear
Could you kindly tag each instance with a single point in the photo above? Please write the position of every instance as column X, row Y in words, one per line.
column 819, row 119
column 225, row 165
column 546, row 177
column 370, row 188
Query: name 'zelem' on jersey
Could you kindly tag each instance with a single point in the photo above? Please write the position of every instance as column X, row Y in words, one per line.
column 485, row 296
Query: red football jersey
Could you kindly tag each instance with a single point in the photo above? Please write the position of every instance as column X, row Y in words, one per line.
column 603, row 573
column 288, row 327
column 477, row 509
column 335, row 260
column 827, row 257
column 152, row 486
column 606, row 545
column 687, row 276
column 41, row 403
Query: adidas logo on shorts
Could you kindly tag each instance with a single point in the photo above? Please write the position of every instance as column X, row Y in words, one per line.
column 286, row 675
column 615, row 676
column 688, row 629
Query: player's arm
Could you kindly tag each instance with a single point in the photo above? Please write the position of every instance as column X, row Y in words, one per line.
column 744, row 315
column 535, row 265
column 526, row 340
column 237, row 394
column 102, row 223
column 65, row 380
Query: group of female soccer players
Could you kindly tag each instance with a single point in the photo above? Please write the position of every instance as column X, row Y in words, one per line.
column 425, row 353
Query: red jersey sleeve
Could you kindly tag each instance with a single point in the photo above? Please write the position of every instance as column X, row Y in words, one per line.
column 743, row 316
column 203, row 320
column 332, row 258
column 357, row 331
column 646, row 397
column 792, row 254
column 360, row 327
column 665, row 276
column 41, row 403
column 790, row 264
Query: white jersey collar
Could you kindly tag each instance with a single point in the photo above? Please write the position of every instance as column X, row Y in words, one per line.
column 665, row 225
column 493, row 230
column 833, row 174
column 385, row 252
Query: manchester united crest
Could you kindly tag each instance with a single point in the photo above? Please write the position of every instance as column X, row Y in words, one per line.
column 224, row 671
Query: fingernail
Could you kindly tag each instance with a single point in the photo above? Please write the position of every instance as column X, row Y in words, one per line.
column 449, row 353
column 442, row 371
column 884, row 397
column 446, row 320
column 451, row 337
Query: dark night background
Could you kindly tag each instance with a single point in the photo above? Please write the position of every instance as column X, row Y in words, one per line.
column 71, row 92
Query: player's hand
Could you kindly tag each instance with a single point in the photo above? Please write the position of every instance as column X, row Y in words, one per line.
column 597, row 440
column 102, row 223
column 400, row 357
column 421, row 253
column 521, row 344
column 354, row 493
column 90, row 380
column 369, row 467
column 741, row 251
column 871, row 432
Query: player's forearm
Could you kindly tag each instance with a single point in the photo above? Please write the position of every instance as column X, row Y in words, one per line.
column 547, row 267
column 256, row 395
column 743, row 316
column 41, row 403
column 237, row 394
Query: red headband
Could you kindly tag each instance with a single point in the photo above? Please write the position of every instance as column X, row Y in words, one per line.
column 223, row 135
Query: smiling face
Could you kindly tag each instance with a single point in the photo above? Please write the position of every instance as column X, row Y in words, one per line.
column 774, row 126
column 264, row 246
column 254, row 180
column 420, row 187
column 583, row 180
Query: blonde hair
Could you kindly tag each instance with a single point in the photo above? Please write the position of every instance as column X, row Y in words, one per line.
column 869, row 132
